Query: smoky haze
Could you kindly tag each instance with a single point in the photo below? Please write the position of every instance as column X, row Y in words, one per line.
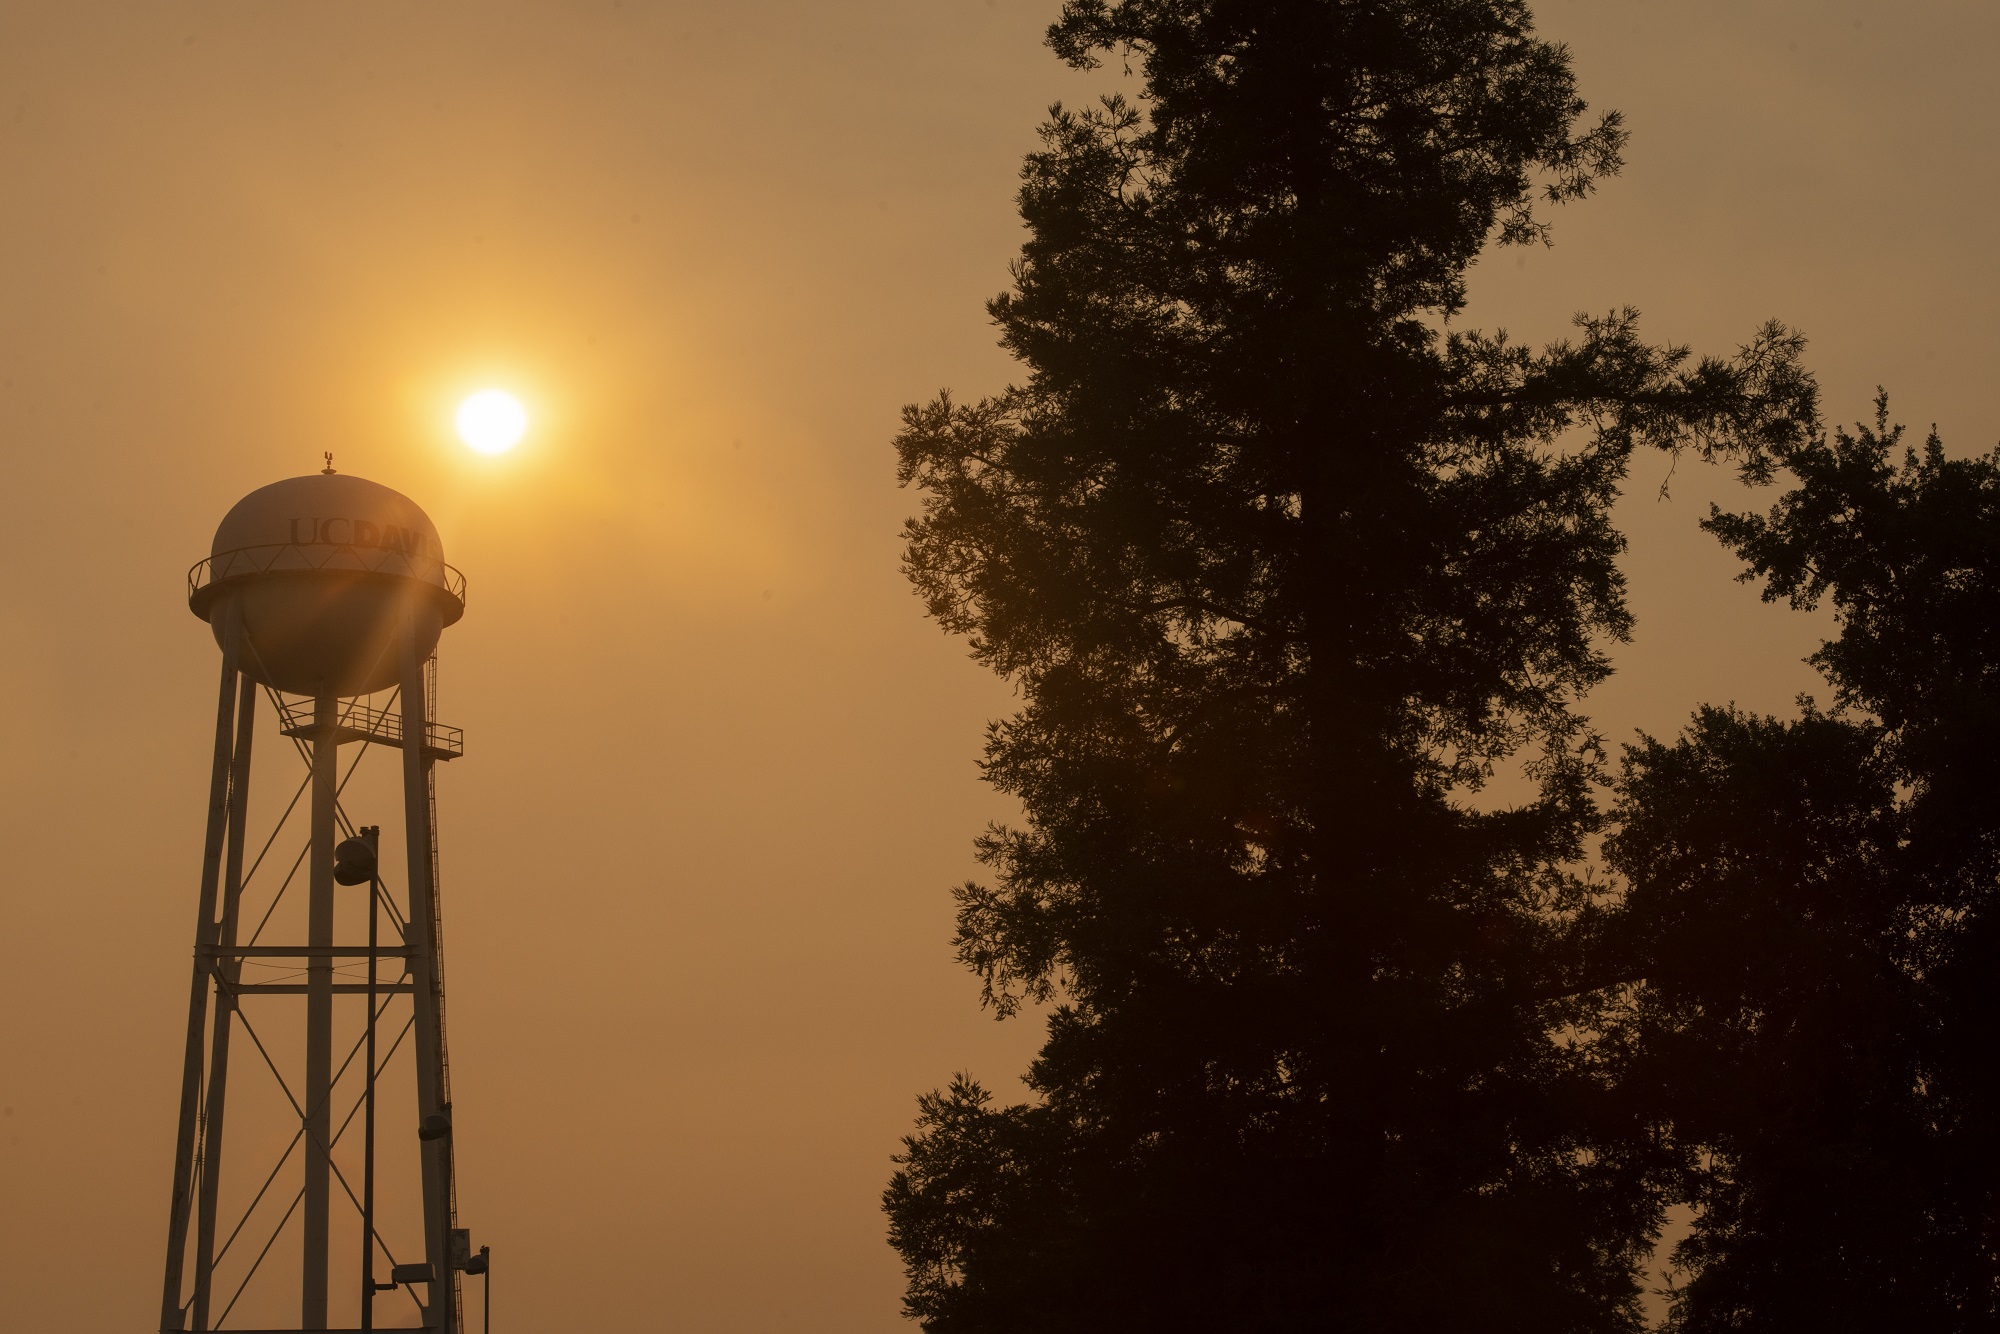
column 719, row 771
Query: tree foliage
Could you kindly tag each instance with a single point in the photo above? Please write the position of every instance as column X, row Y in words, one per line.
column 1283, row 565
column 1812, row 906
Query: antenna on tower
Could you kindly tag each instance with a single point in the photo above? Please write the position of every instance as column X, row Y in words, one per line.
column 328, row 469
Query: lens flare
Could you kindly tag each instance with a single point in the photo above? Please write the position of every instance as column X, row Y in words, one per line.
column 492, row 421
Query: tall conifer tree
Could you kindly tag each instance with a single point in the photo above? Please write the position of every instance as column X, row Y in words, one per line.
column 1283, row 565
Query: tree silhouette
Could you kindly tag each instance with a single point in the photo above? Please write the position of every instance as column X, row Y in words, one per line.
column 1283, row 565
column 1812, row 906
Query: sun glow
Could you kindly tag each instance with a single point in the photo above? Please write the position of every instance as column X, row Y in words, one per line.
column 492, row 421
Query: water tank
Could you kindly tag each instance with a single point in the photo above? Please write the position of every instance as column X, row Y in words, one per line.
column 323, row 568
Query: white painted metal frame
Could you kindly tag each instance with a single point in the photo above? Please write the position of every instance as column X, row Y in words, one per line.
column 189, row 1293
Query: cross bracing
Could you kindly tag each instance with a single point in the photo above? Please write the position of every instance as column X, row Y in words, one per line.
column 317, row 970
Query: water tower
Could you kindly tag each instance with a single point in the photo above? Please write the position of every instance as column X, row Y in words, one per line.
column 327, row 595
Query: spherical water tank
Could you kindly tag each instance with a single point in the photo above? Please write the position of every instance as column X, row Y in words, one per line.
column 323, row 569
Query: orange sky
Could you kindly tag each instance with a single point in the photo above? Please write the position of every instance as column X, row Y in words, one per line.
column 719, row 771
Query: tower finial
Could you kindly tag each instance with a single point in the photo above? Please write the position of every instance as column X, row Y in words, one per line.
column 328, row 469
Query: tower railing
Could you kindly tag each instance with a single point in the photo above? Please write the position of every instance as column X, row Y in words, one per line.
column 357, row 721
column 273, row 557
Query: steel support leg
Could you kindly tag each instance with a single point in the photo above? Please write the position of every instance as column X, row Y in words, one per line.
column 440, row 1309
column 319, row 1018
column 172, row 1314
column 373, row 835
column 228, row 971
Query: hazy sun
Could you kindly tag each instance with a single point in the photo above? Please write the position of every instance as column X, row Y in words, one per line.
column 492, row 421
